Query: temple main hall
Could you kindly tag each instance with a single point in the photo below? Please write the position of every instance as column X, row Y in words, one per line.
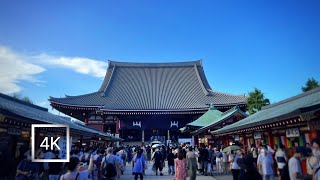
column 145, row 102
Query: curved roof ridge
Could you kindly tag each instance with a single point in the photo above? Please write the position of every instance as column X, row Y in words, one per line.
column 70, row 97
column 109, row 79
column 200, row 81
column 236, row 107
column 292, row 98
column 228, row 94
column 150, row 64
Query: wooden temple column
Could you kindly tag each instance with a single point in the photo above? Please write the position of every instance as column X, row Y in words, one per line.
column 244, row 138
column 270, row 139
column 225, row 141
column 117, row 125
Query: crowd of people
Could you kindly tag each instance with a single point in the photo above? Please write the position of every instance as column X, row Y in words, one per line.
column 102, row 163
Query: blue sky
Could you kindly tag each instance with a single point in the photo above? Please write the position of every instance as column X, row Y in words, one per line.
column 57, row 48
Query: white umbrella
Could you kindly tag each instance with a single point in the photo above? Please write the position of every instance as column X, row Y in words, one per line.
column 155, row 145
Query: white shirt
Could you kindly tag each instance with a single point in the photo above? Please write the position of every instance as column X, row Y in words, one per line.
column 224, row 157
column 281, row 153
column 266, row 161
column 294, row 167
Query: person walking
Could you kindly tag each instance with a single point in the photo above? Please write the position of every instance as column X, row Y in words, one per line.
column 180, row 164
column 235, row 168
column 316, row 152
column 192, row 164
column 254, row 152
column 170, row 159
column 248, row 169
column 204, row 156
column 224, row 162
column 54, row 168
column 281, row 158
column 295, row 170
column 110, row 166
column 148, row 154
column 98, row 162
column 265, row 163
column 76, row 170
column 219, row 157
column 157, row 157
column 311, row 163
column 139, row 164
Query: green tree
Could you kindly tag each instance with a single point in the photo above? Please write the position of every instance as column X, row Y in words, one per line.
column 256, row 101
column 25, row 98
column 310, row 84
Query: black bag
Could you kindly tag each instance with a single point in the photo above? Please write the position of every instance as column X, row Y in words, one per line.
column 109, row 169
column 98, row 162
column 285, row 173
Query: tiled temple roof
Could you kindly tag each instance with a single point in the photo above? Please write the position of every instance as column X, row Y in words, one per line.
column 153, row 86
column 216, row 120
column 40, row 114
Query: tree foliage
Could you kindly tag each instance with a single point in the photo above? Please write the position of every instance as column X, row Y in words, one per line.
column 256, row 101
column 310, row 84
column 25, row 98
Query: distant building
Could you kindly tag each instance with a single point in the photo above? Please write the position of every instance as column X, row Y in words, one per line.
column 148, row 101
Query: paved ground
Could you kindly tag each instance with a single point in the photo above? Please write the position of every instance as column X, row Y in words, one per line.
column 150, row 175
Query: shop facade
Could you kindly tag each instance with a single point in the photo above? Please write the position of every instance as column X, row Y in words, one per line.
column 292, row 122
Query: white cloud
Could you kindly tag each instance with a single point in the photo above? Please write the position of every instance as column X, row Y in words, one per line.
column 81, row 65
column 15, row 68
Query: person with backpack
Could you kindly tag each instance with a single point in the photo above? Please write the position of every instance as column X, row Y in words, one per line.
column 110, row 166
column 157, row 157
column 98, row 161
column 139, row 164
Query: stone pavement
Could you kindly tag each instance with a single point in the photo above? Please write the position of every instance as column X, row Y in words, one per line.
column 150, row 175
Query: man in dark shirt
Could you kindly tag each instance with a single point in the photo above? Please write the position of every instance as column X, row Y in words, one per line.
column 204, row 156
column 158, row 161
column 170, row 159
